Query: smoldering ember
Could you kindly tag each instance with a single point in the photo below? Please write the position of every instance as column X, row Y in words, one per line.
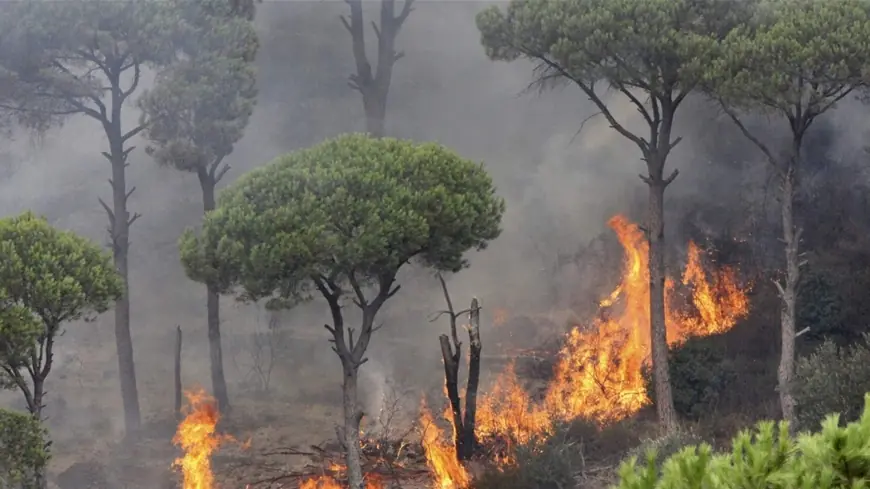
column 525, row 244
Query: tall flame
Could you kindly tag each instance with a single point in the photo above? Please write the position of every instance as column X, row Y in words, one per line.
column 440, row 456
column 197, row 438
column 599, row 375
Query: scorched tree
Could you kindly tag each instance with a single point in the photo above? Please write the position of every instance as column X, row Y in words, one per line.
column 339, row 220
column 650, row 53
column 794, row 61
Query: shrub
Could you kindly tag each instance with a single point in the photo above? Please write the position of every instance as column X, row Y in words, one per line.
column 657, row 450
column 700, row 373
column 837, row 457
column 542, row 463
column 820, row 305
column 23, row 450
column 832, row 379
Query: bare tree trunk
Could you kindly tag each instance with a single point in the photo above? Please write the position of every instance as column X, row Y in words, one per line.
column 178, row 387
column 218, row 381
column 451, row 358
column 120, row 221
column 375, row 87
column 788, row 294
column 469, row 441
column 658, row 329
column 352, row 419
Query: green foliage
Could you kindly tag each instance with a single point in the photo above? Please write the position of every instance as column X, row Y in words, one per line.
column 23, row 453
column 201, row 104
column 548, row 462
column 60, row 56
column 353, row 209
column 700, row 374
column 656, row 47
column 800, row 55
column 48, row 277
column 658, row 450
column 820, row 306
column 832, row 380
column 837, row 457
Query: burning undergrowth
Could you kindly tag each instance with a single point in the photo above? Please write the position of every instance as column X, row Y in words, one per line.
column 599, row 373
column 597, row 379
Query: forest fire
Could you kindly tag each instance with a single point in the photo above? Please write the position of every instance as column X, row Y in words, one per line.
column 197, row 438
column 441, row 458
column 599, row 375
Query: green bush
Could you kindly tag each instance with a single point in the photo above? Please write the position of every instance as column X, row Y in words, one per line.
column 837, row 457
column 23, row 450
column 820, row 306
column 832, row 379
column 543, row 463
column 657, row 450
column 700, row 373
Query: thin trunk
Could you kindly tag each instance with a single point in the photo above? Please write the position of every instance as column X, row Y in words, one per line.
column 451, row 382
column 218, row 381
column 119, row 227
column 469, row 442
column 374, row 85
column 178, row 387
column 352, row 418
column 788, row 294
column 658, row 329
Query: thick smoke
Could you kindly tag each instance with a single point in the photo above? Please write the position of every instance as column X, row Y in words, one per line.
column 561, row 181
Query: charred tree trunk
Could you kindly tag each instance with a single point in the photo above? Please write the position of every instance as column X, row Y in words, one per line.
column 469, row 441
column 120, row 221
column 451, row 356
column 207, row 182
column 178, row 386
column 375, row 87
column 464, row 438
column 788, row 294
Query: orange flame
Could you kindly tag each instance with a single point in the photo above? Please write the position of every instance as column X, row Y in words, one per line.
column 599, row 375
column 441, row 456
column 196, row 437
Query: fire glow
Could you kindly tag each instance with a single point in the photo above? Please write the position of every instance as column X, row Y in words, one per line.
column 197, row 438
column 599, row 375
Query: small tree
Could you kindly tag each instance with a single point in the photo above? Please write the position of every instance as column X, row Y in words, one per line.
column 648, row 51
column 86, row 58
column 197, row 111
column 48, row 277
column 339, row 220
column 794, row 61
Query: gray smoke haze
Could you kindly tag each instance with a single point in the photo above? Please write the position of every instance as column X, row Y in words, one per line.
column 561, row 186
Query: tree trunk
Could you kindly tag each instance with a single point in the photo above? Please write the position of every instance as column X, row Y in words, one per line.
column 119, row 228
column 658, row 329
column 451, row 381
column 178, row 387
column 352, row 418
column 218, row 381
column 469, row 442
column 375, row 86
column 788, row 294
column 375, row 105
